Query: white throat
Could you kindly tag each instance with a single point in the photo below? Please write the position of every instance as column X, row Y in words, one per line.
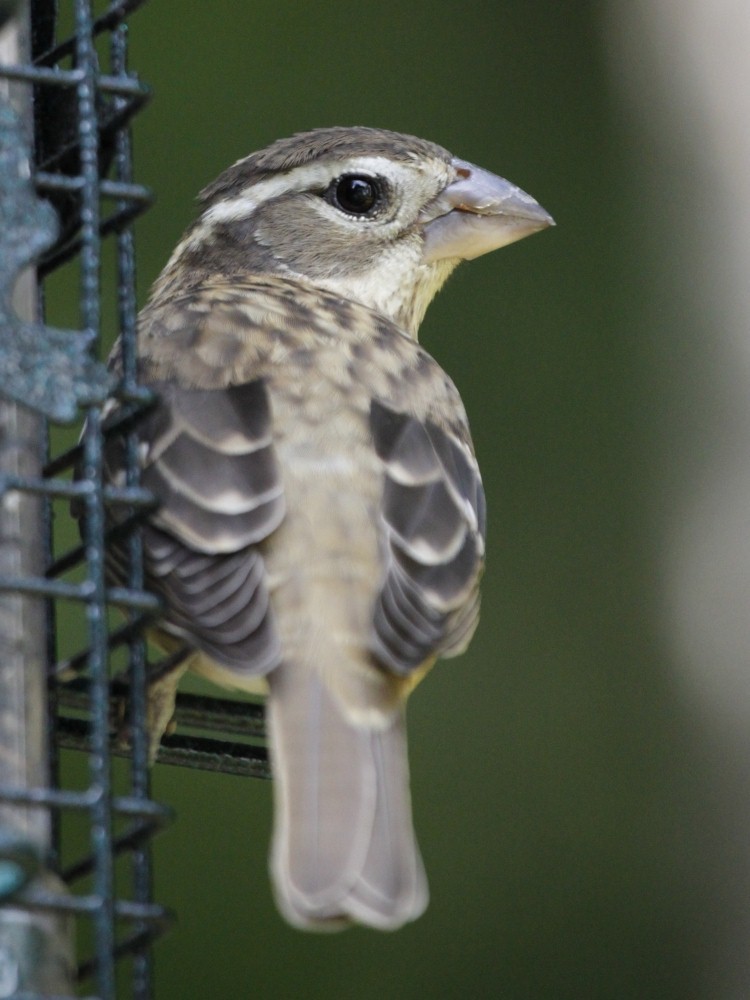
column 401, row 290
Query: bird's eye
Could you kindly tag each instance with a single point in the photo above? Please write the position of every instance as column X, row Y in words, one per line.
column 356, row 194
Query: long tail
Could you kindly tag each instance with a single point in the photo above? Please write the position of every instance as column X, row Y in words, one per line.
column 343, row 849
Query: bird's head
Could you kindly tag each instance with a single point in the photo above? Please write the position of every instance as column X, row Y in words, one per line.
column 371, row 215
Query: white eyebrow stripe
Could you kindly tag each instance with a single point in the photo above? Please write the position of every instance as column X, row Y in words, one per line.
column 306, row 177
column 245, row 203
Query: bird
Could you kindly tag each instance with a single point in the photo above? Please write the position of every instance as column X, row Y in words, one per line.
column 320, row 528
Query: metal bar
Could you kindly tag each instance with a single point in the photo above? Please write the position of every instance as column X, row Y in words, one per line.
column 199, row 752
column 86, row 592
column 139, row 771
column 111, row 189
column 61, row 798
column 69, row 489
column 215, row 755
column 245, row 719
column 91, row 904
column 94, row 528
column 47, row 588
column 46, row 797
column 238, row 718
column 123, row 86
column 37, row 74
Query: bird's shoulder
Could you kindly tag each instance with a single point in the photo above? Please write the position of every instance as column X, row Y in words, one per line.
column 229, row 332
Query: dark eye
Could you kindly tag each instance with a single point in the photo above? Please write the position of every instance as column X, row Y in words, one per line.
column 356, row 194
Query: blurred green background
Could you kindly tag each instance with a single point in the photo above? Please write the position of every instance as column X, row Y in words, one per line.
column 566, row 791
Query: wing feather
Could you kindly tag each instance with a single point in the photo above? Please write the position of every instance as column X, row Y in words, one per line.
column 433, row 514
column 207, row 456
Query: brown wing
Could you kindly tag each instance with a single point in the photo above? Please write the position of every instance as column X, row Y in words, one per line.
column 434, row 516
column 208, row 457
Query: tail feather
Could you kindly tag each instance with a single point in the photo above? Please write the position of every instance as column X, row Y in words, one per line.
column 344, row 849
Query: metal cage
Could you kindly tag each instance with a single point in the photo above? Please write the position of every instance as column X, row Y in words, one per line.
column 75, row 839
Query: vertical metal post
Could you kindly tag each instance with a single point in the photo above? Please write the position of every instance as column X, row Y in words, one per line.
column 127, row 310
column 35, row 947
column 94, row 523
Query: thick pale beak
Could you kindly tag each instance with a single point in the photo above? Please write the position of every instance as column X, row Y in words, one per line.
column 476, row 213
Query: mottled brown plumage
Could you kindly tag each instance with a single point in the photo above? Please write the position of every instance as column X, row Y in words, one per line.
column 322, row 518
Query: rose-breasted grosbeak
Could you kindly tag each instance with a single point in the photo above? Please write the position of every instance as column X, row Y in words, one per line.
column 321, row 518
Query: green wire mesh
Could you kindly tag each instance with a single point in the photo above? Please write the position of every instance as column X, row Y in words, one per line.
column 102, row 821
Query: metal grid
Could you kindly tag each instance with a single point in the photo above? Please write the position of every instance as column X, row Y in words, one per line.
column 99, row 842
